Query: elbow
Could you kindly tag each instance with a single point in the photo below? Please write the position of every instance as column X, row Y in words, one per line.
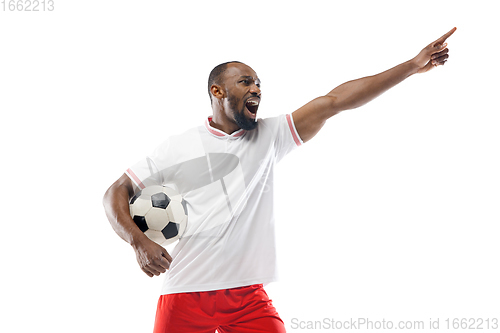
column 121, row 188
column 106, row 196
column 331, row 106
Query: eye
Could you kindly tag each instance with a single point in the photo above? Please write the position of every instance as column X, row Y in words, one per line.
column 246, row 81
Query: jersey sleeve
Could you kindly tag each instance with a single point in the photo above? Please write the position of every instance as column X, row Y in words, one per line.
column 287, row 137
column 178, row 162
column 146, row 172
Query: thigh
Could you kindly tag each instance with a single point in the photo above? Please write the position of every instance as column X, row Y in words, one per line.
column 251, row 311
column 185, row 313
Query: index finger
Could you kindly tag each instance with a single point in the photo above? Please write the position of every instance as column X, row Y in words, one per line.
column 445, row 36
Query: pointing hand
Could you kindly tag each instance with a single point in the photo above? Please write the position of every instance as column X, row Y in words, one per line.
column 433, row 55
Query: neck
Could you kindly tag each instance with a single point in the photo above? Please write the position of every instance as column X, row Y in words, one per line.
column 222, row 122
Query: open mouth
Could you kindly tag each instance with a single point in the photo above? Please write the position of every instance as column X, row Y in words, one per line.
column 252, row 104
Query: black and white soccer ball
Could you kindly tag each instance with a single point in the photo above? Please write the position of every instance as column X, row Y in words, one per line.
column 160, row 212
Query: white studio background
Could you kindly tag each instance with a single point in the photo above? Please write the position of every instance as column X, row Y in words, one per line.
column 390, row 213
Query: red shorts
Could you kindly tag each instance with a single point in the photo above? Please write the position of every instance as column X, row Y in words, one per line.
column 244, row 309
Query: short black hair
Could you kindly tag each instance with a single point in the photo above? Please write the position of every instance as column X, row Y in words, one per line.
column 216, row 75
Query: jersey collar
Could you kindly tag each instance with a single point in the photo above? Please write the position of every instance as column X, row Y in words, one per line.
column 218, row 133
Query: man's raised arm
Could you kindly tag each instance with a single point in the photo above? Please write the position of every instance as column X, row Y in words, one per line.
column 310, row 118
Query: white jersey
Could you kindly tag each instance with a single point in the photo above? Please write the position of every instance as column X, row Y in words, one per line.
column 227, row 183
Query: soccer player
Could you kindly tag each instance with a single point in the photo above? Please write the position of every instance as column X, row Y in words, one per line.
column 224, row 171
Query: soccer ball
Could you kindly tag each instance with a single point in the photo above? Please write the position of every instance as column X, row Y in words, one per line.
column 160, row 212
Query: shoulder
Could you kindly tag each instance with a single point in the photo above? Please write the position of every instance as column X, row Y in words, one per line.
column 272, row 124
column 272, row 121
column 184, row 136
column 283, row 128
column 283, row 122
column 271, row 129
column 174, row 143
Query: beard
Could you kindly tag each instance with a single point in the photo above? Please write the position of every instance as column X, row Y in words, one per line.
column 239, row 116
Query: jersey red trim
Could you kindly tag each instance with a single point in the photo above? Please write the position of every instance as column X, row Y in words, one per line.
column 136, row 179
column 220, row 133
column 211, row 129
column 291, row 125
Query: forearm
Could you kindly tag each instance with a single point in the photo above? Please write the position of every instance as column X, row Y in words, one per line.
column 116, row 206
column 152, row 258
column 353, row 94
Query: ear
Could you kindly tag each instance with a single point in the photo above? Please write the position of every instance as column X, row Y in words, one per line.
column 217, row 91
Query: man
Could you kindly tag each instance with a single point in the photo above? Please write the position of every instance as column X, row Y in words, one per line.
column 224, row 171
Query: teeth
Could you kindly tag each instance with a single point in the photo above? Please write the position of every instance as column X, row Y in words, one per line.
column 253, row 103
